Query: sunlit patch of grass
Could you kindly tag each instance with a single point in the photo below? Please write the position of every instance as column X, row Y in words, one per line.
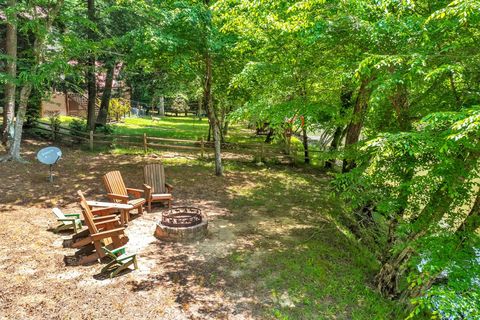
column 314, row 268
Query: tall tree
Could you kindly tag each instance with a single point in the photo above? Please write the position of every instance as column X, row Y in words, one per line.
column 44, row 24
column 91, row 68
column 207, row 93
column 107, row 94
column 10, row 86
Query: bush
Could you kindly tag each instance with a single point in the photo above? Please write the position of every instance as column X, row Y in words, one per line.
column 77, row 126
column 54, row 119
column 106, row 129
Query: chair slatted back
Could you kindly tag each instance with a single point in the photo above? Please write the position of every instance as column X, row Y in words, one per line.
column 154, row 176
column 87, row 214
column 58, row 213
column 113, row 182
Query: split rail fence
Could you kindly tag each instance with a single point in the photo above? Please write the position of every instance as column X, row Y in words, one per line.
column 259, row 151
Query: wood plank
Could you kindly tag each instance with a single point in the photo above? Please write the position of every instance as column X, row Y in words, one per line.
column 109, row 204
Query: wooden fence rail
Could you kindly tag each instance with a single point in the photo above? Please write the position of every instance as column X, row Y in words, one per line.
column 259, row 151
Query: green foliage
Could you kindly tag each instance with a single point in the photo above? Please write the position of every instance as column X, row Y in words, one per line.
column 54, row 120
column 406, row 72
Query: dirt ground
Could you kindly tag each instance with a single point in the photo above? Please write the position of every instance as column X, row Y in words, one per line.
column 174, row 281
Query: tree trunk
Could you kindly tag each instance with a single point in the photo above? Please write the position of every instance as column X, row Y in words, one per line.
column 38, row 48
column 225, row 128
column 106, row 96
column 400, row 104
column 346, row 100
column 394, row 267
column 209, row 136
column 161, row 107
column 354, row 128
column 337, row 136
column 305, row 144
column 22, row 109
column 10, row 87
column 214, row 123
column 91, row 79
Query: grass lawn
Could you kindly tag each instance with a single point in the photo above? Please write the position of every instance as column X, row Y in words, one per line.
column 192, row 128
column 189, row 128
column 276, row 249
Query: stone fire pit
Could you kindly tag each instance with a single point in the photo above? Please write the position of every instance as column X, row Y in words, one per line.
column 182, row 224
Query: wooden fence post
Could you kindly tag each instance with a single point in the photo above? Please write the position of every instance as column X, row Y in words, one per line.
column 91, row 140
column 145, row 143
column 202, row 148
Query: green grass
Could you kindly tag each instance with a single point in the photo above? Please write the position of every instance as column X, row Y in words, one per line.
column 180, row 128
column 192, row 128
column 189, row 128
column 315, row 268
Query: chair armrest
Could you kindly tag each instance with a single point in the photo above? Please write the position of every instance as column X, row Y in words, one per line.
column 67, row 220
column 135, row 192
column 103, row 211
column 148, row 191
column 114, row 196
column 72, row 215
column 117, row 250
column 169, row 187
column 125, row 257
column 107, row 234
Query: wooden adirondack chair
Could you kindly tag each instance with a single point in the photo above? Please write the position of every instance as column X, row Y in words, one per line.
column 118, row 192
column 120, row 261
column 99, row 214
column 156, row 188
column 102, row 231
column 67, row 221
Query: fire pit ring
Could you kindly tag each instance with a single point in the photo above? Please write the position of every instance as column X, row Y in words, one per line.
column 182, row 217
column 182, row 224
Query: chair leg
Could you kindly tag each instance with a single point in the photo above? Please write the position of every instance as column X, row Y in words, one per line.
column 140, row 209
column 149, row 206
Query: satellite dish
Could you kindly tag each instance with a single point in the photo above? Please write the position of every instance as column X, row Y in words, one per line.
column 50, row 156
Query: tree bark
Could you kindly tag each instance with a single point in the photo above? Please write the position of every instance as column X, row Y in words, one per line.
column 400, row 104
column 91, row 79
column 354, row 128
column 225, row 128
column 22, row 109
column 106, row 96
column 214, row 123
column 10, row 87
column 346, row 103
column 337, row 136
column 305, row 145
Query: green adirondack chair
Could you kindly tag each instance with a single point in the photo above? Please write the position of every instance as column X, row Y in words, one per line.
column 120, row 261
column 67, row 221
